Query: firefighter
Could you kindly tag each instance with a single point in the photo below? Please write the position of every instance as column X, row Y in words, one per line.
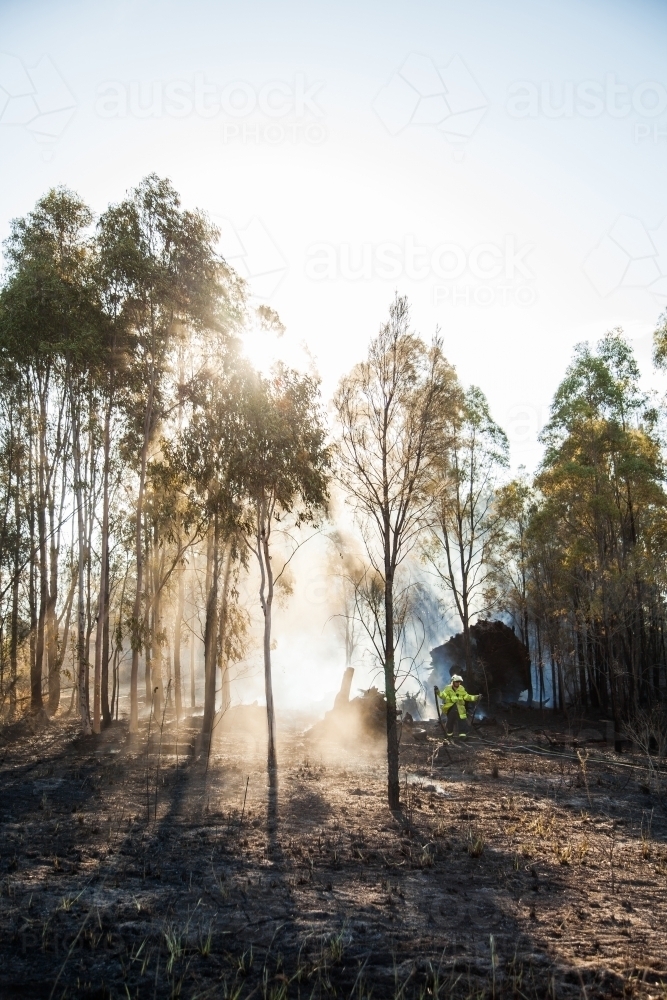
column 454, row 698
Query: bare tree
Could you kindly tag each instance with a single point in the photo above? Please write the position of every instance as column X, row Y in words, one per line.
column 389, row 410
column 468, row 522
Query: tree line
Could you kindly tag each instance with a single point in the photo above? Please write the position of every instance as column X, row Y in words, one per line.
column 145, row 467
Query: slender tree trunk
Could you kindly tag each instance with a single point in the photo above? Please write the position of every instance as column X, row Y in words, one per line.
column 89, row 479
column 156, row 661
column 580, row 643
column 67, row 616
column 181, row 569
column 101, row 685
column 82, row 666
column 139, row 557
column 393, row 786
column 148, row 675
column 178, row 699
column 170, row 678
column 53, row 658
column 114, row 680
column 211, row 626
column 36, row 702
column 118, row 647
column 149, row 626
column 224, row 615
column 540, row 661
column 35, row 677
column 266, row 600
column 193, row 690
column 561, row 686
column 53, row 664
column 106, row 709
column 465, row 622
column 16, row 580
column 554, row 685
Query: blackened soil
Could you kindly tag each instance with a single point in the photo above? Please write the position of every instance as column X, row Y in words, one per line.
column 144, row 869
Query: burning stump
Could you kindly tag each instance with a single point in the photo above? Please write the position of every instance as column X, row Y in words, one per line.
column 365, row 715
column 500, row 662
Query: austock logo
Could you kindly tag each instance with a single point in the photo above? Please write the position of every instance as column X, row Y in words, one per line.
column 630, row 256
column 586, row 99
column 273, row 112
column 496, row 273
column 35, row 98
column 421, row 94
column 252, row 252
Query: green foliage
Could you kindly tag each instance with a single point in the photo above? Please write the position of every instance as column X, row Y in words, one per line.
column 282, row 460
column 589, row 544
column 49, row 309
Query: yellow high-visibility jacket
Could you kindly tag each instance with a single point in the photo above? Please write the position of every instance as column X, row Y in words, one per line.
column 449, row 697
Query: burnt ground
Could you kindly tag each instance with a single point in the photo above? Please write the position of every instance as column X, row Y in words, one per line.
column 133, row 871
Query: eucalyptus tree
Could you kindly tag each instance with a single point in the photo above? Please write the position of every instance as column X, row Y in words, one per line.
column 602, row 487
column 282, row 469
column 172, row 281
column 50, row 332
column 390, row 409
column 115, row 252
column 515, row 501
column 467, row 525
column 14, row 538
column 205, row 455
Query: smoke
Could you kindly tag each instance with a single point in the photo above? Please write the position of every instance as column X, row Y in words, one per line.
column 317, row 627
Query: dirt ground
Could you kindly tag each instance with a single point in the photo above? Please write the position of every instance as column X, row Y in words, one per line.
column 140, row 868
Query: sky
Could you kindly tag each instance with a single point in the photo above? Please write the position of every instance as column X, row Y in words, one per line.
column 501, row 164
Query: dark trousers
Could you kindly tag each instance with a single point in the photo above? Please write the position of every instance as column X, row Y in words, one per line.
column 454, row 723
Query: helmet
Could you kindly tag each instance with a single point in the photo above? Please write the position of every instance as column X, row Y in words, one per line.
column 456, row 677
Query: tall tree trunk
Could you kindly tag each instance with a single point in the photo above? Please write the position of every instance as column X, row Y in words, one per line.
column 53, row 658
column 393, row 786
column 178, row 698
column 222, row 632
column 139, row 557
column 193, row 689
column 148, row 675
column 540, row 661
column 170, row 678
column 53, row 665
column 101, row 699
column 35, row 672
column 106, row 709
column 89, row 479
column 82, row 666
column 554, row 684
column 67, row 614
column 149, row 625
column 36, row 701
column 181, row 569
column 266, row 600
column 16, row 580
column 211, row 626
column 156, row 658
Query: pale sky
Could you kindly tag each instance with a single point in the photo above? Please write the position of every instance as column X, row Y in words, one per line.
column 502, row 164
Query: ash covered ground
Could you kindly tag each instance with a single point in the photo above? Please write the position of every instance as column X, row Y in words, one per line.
column 149, row 868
